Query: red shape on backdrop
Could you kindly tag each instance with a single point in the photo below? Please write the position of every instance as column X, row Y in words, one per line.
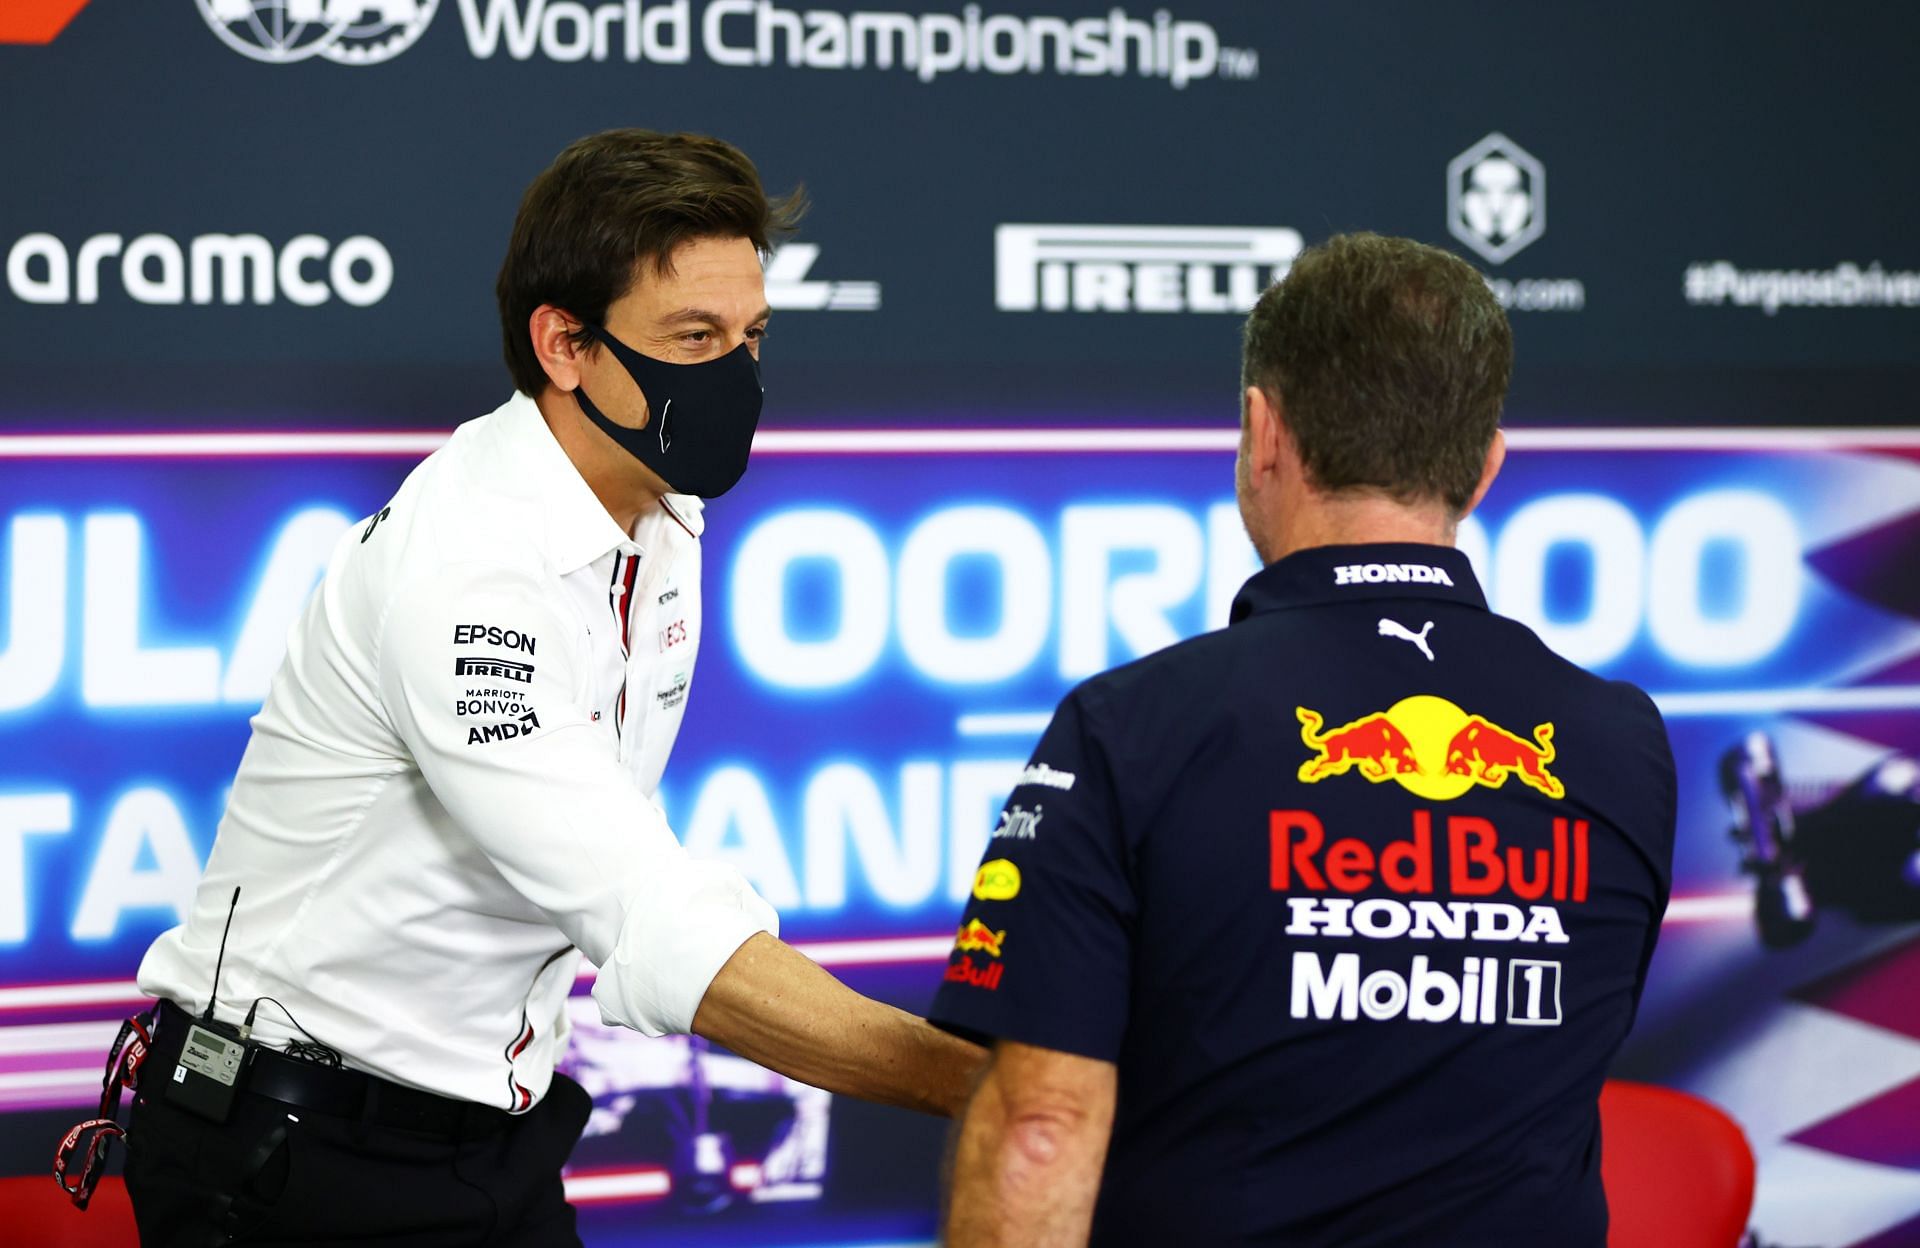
column 37, row 21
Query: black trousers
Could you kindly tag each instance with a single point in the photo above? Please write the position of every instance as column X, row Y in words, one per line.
column 277, row 1174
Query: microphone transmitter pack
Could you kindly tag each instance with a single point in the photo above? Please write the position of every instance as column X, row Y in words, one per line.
column 206, row 1076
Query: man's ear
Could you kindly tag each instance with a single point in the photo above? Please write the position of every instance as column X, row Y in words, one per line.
column 1496, row 456
column 1266, row 430
column 552, row 332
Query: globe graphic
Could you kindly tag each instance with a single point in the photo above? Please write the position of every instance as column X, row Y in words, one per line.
column 348, row 31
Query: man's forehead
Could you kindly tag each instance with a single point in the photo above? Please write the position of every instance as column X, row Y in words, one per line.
column 705, row 279
column 695, row 256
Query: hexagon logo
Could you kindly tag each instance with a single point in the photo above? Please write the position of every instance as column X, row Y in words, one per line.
column 347, row 32
column 1496, row 198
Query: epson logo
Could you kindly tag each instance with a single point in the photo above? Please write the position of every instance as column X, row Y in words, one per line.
column 1138, row 268
column 307, row 270
column 1384, row 573
column 493, row 635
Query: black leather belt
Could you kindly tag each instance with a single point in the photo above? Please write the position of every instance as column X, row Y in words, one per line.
column 334, row 1090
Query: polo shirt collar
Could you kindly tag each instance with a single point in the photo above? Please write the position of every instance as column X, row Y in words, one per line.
column 578, row 528
column 1332, row 574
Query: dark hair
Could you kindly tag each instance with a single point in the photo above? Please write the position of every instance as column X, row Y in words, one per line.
column 1390, row 360
column 608, row 203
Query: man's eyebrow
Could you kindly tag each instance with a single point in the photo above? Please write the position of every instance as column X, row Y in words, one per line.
column 700, row 316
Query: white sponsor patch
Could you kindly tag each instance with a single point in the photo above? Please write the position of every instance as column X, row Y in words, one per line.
column 1386, row 573
column 1040, row 773
column 1020, row 824
column 1336, row 987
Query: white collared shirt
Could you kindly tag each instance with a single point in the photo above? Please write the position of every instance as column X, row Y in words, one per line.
column 450, row 788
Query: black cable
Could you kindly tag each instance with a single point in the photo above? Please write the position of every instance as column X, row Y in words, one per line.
column 311, row 1049
column 206, row 1015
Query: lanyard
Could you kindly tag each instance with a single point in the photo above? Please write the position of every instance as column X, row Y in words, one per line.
column 124, row 1059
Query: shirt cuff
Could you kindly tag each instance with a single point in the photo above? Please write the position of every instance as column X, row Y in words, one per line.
column 677, row 935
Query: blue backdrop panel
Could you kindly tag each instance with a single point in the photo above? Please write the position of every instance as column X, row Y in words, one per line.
column 891, row 617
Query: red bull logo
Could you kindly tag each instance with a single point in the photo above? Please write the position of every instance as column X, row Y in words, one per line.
column 963, row 970
column 1371, row 743
column 1429, row 747
column 1487, row 754
column 977, row 937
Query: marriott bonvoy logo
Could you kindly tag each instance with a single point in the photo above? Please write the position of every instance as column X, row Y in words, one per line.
column 746, row 34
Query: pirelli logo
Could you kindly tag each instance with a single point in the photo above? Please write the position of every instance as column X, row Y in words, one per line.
column 1138, row 268
column 503, row 669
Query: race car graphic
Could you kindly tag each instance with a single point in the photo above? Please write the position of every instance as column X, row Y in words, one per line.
column 1857, row 849
column 725, row 1131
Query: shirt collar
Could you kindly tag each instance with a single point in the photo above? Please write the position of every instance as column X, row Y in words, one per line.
column 1329, row 574
column 578, row 528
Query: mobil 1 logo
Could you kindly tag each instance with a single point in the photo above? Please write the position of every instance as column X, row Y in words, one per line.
column 1525, row 992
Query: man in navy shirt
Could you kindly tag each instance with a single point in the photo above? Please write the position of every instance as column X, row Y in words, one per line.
column 1323, row 929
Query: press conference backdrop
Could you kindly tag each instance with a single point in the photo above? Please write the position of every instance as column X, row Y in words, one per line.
column 249, row 254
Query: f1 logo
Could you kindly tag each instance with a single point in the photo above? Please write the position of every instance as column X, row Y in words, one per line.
column 37, row 21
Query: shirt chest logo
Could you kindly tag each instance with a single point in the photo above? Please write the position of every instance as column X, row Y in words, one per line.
column 501, row 669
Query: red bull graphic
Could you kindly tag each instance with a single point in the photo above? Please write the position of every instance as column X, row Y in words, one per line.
column 964, row 970
column 1371, row 743
column 1430, row 747
column 978, row 937
column 1461, row 855
column 1487, row 754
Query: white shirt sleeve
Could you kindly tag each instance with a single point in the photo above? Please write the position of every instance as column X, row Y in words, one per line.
column 542, row 793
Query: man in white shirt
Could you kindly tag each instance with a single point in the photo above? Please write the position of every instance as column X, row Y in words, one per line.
column 448, row 796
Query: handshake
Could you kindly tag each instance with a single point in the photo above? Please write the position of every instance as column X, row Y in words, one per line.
column 773, row 1005
column 1034, row 1121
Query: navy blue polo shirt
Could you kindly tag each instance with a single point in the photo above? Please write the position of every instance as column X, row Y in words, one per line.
column 1358, row 893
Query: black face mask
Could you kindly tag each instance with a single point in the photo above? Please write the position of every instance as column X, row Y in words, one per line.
column 701, row 416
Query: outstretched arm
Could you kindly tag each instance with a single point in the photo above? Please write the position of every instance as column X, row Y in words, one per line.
column 773, row 1005
column 1033, row 1142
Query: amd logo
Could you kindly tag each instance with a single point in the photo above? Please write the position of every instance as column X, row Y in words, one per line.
column 228, row 268
column 1138, row 268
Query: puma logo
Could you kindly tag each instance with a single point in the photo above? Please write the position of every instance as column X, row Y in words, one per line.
column 1393, row 628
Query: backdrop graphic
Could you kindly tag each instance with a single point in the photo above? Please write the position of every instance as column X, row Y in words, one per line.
column 247, row 283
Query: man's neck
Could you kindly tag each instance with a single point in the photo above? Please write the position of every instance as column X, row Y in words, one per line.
column 608, row 471
column 1355, row 521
